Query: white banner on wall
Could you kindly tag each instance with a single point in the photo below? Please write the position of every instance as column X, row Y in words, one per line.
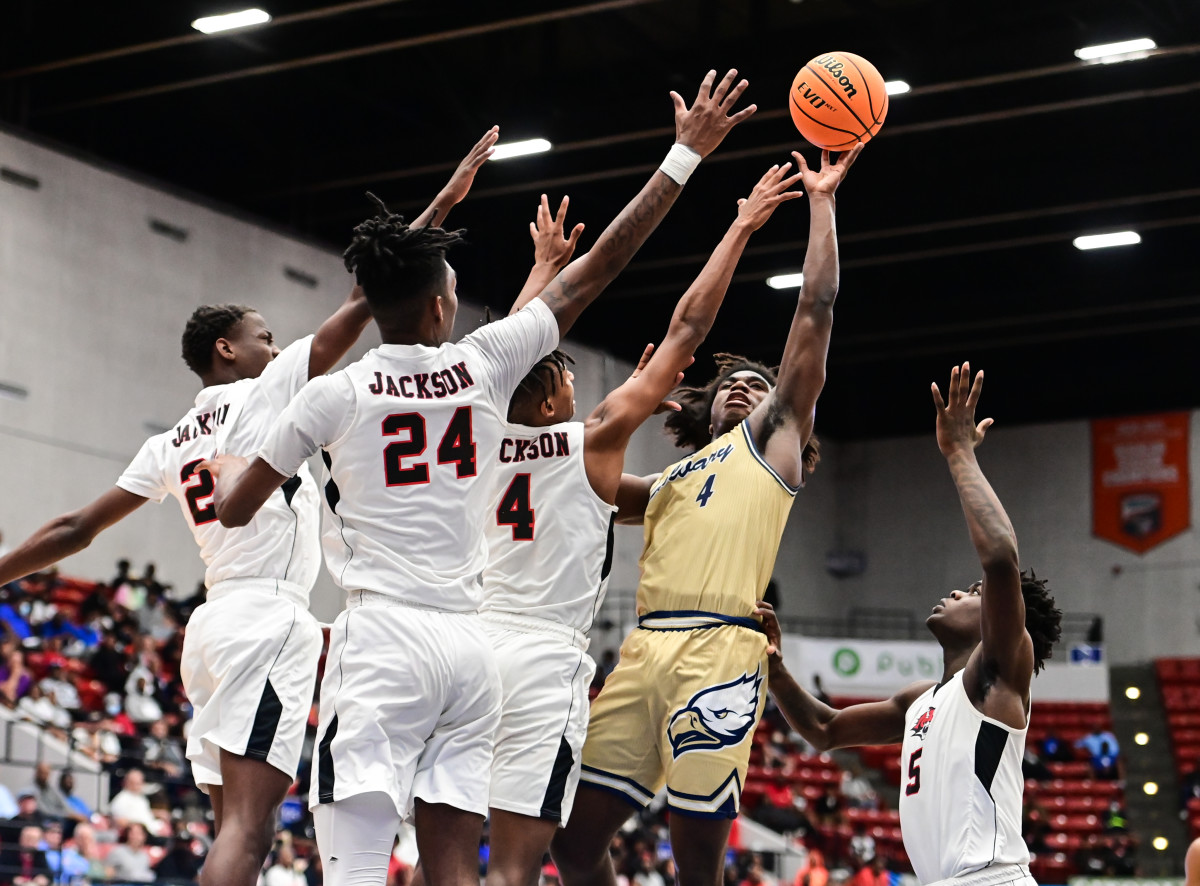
column 872, row 669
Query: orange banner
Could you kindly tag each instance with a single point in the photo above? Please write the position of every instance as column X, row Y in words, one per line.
column 1140, row 488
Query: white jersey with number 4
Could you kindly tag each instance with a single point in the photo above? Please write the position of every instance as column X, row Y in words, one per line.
column 960, row 800
column 281, row 542
column 550, row 537
column 409, row 436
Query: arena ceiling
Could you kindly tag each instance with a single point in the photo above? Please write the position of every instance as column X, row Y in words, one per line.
column 956, row 225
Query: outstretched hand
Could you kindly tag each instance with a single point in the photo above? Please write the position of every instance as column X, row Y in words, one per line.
column 826, row 179
column 705, row 124
column 771, row 190
column 665, row 405
column 956, row 428
column 549, row 245
column 464, row 176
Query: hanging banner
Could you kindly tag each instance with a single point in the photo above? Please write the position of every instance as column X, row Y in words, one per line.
column 1140, row 485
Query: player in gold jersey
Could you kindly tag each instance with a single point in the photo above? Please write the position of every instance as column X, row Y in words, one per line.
column 681, row 706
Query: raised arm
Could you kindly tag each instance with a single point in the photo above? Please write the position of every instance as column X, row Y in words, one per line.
column 613, row 422
column 460, row 182
column 551, row 250
column 1007, row 649
column 698, row 131
column 824, row 727
column 790, row 406
column 68, row 534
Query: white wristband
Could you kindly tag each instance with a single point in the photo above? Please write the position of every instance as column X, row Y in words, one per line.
column 681, row 162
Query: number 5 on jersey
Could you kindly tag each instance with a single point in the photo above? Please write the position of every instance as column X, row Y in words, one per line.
column 515, row 510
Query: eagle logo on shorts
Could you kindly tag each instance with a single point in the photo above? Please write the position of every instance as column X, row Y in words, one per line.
column 716, row 717
column 921, row 728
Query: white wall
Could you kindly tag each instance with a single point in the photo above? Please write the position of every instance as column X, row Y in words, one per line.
column 92, row 305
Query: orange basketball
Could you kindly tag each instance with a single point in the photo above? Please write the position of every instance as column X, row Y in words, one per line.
column 837, row 100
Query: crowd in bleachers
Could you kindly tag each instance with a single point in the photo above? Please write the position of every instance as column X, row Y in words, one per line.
column 96, row 666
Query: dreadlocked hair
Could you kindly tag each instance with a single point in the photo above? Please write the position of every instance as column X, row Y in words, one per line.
column 393, row 261
column 541, row 382
column 689, row 427
column 207, row 324
column 1043, row 619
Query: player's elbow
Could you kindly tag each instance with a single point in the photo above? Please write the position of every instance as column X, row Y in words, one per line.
column 1000, row 557
column 232, row 516
column 73, row 531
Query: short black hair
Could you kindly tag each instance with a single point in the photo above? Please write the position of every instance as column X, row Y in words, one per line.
column 689, row 427
column 394, row 262
column 207, row 324
column 1043, row 620
column 541, row 382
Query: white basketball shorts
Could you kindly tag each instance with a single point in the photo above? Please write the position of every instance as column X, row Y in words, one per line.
column 249, row 667
column 545, row 672
column 409, row 706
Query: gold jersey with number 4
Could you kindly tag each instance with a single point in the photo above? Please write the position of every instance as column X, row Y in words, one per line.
column 681, row 706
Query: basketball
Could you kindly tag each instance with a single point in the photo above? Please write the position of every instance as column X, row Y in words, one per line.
column 837, row 100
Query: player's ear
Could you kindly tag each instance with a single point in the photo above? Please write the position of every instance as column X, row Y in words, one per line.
column 547, row 408
column 223, row 348
column 439, row 310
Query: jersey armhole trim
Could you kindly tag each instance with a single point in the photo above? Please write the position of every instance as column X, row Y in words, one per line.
column 792, row 490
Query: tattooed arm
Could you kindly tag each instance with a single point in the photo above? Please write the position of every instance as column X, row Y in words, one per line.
column 1006, row 653
column 701, row 128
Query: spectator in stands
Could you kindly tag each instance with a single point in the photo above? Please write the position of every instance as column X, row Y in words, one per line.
column 1106, row 764
column 66, row 865
column 814, row 872
column 180, row 864
column 1120, row 858
column 1055, row 749
column 873, row 873
column 15, row 680
column 782, row 809
column 862, row 845
column 37, row 708
column 76, row 805
column 94, row 738
column 28, row 815
column 646, row 873
column 756, row 874
column 828, row 806
column 24, row 864
column 140, row 703
column 857, row 790
column 286, row 871
column 1093, row 743
column 130, row 804
column 110, row 664
column 1032, row 765
column 1114, row 818
column 83, row 842
column 128, row 860
column 59, row 686
column 122, row 576
column 51, row 803
column 162, row 754
column 776, row 753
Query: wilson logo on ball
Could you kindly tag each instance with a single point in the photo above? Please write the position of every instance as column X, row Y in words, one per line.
column 837, row 100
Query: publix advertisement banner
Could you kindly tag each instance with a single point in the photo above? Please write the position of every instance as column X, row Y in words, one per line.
column 871, row 669
column 861, row 668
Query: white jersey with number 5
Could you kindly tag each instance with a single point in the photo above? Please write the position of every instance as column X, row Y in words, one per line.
column 409, row 436
column 960, row 801
column 550, row 537
column 281, row 542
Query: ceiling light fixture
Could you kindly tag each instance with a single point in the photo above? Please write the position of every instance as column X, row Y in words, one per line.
column 520, row 149
column 1103, row 241
column 213, row 24
column 785, row 281
column 1125, row 50
column 897, row 87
